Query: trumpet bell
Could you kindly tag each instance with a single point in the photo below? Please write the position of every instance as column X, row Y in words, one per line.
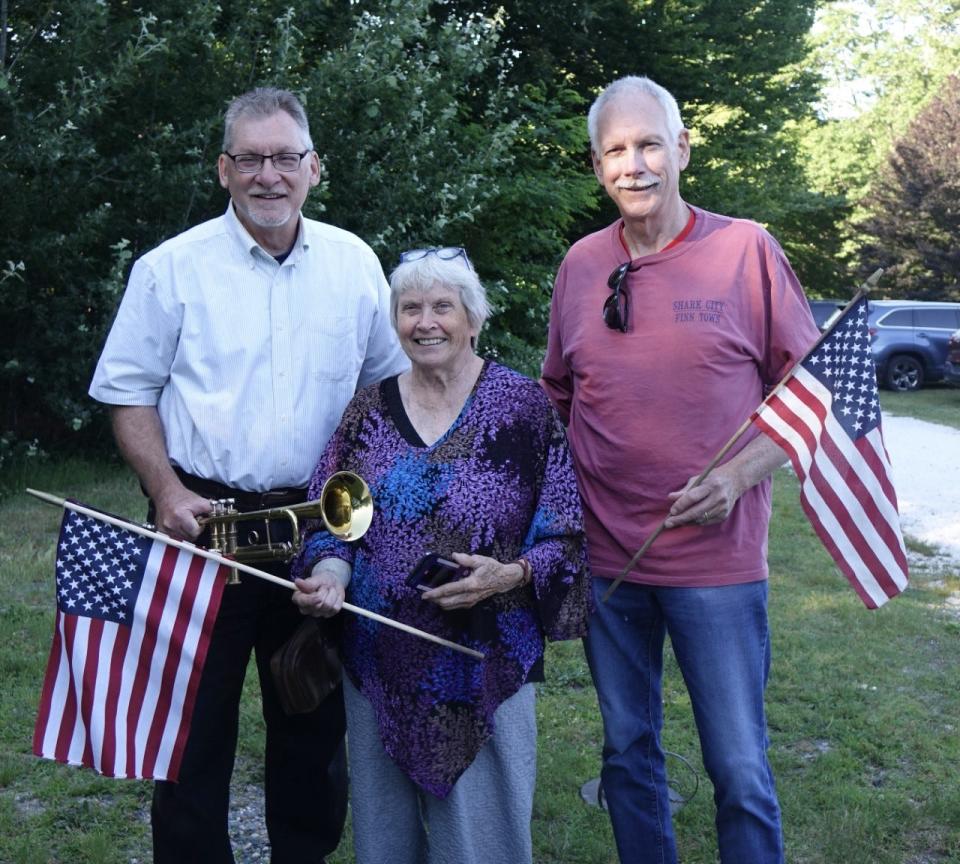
column 346, row 505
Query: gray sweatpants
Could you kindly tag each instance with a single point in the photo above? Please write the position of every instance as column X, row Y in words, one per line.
column 484, row 820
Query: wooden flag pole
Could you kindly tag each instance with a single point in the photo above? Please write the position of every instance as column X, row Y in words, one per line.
column 245, row 568
column 865, row 288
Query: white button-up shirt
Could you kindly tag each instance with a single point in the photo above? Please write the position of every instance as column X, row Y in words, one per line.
column 250, row 363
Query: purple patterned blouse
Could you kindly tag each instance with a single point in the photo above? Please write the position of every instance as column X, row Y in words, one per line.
column 500, row 483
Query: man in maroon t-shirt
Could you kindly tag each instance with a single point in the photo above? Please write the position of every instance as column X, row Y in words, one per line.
column 666, row 328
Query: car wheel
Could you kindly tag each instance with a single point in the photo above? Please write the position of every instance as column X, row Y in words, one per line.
column 904, row 373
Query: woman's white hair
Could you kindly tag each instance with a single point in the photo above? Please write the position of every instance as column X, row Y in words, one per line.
column 430, row 270
column 633, row 84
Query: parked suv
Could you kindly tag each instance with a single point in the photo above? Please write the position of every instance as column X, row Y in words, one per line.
column 909, row 341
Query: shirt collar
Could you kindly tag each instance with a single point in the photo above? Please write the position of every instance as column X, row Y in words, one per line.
column 676, row 241
column 240, row 234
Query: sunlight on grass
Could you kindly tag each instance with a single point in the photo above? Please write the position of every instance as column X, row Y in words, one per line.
column 822, row 602
column 936, row 403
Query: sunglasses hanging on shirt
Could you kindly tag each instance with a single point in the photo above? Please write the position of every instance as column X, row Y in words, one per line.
column 616, row 308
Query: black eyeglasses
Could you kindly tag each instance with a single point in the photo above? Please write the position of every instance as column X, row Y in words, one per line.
column 616, row 308
column 251, row 163
column 446, row 253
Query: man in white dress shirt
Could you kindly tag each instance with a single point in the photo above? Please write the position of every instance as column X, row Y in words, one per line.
column 235, row 350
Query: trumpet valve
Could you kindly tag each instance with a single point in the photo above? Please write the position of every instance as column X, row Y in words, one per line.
column 230, row 528
column 223, row 532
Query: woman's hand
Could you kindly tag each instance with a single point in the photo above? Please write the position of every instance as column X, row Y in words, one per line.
column 321, row 594
column 488, row 577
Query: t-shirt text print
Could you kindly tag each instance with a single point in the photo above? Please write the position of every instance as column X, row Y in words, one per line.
column 700, row 309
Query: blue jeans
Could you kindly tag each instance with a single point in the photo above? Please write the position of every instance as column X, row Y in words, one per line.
column 722, row 644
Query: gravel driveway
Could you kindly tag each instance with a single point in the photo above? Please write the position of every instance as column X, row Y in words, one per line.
column 926, row 473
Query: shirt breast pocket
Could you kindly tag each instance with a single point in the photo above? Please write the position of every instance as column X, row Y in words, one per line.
column 332, row 351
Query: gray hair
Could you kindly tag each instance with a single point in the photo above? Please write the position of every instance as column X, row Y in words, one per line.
column 633, row 84
column 265, row 102
column 424, row 273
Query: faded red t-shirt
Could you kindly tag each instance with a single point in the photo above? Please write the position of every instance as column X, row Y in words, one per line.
column 713, row 322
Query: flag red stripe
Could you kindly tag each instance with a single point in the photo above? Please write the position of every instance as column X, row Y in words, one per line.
column 62, row 747
column 209, row 619
column 147, row 650
column 121, row 642
column 46, row 694
column 877, row 466
column 89, row 687
column 171, row 663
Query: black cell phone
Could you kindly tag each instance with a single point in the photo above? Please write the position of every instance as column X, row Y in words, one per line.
column 432, row 571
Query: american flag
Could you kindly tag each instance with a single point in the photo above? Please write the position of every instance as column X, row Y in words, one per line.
column 827, row 418
column 134, row 618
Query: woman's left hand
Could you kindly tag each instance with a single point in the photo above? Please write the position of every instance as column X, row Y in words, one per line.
column 488, row 577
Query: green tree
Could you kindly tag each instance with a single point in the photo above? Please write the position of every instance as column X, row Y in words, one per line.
column 737, row 69
column 913, row 222
column 880, row 62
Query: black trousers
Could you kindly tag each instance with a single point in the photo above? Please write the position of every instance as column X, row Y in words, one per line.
column 305, row 771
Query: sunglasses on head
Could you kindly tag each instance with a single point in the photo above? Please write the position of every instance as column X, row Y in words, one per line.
column 445, row 253
column 616, row 308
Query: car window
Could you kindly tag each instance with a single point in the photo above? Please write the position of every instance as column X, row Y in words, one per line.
column 944, row 318
column 898, row 318
column 822, row 310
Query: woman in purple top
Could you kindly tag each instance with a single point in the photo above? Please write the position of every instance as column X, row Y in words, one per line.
column 465, row 458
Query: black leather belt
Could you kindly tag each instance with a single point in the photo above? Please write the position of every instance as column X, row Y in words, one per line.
column 245, row 502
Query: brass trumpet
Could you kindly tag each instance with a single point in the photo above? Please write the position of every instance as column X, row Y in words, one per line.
column 345, row 507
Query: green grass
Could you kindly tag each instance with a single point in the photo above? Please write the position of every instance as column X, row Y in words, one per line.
column 936, row 403
column 864, row 712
